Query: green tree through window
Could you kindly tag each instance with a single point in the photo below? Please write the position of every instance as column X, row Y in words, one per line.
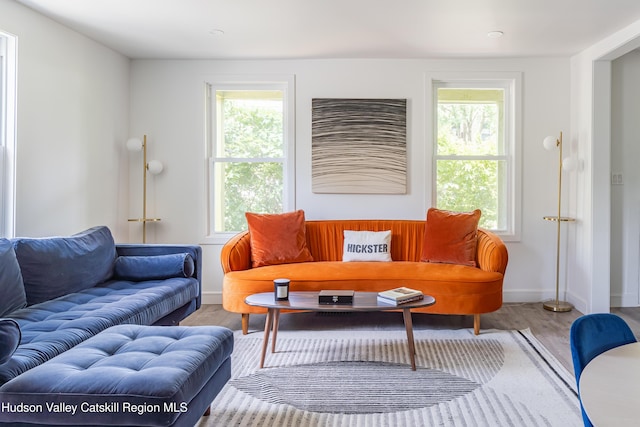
column 471, row 162
column 249, row 156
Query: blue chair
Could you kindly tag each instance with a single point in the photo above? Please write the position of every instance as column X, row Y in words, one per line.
column 593, row 334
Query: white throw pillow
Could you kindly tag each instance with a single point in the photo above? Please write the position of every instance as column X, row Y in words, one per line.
column 367, row 245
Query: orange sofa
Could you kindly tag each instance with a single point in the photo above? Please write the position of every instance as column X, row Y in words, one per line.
column 458, row 289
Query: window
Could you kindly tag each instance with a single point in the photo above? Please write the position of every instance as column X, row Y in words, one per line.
column 7, row 133
column 475, row 151
column 249, row 164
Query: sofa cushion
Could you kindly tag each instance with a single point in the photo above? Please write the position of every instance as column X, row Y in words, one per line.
column 53, row 327
column 278, row 238
column 367, row 246
column 458, row 289
column 154, row 267
column 451, row 237
column 56, row 266
column 9, row 339
column 13, row 296
column 403, row 273
column 140, row 375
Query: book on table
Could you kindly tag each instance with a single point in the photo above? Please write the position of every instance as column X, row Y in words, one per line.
column 400, row 295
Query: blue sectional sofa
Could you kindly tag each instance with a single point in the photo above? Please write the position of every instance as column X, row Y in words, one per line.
column 59, row 292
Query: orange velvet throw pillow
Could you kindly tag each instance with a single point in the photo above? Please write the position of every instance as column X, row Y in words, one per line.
column 277, row 238
column 451, row 237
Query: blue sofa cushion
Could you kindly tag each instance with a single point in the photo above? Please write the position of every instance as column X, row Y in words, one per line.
column 53, row 327
column 156, row 267
column 56, row 266
column 157, row 369
column 11, row 285
column 9, row 339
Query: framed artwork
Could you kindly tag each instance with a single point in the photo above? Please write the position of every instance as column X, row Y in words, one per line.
column 359, row 146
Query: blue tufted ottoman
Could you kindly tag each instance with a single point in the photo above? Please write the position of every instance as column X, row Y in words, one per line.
column 127, row 375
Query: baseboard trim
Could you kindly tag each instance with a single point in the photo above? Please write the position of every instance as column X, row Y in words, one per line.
column 212, row 297
column 525, row 296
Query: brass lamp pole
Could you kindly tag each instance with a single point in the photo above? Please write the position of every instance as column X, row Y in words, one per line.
column 557, row 305
column 154, row 167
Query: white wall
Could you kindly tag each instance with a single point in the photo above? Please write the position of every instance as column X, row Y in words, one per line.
column 589, row 268
column 625, row 198
column 72, row 117
column 167, row 103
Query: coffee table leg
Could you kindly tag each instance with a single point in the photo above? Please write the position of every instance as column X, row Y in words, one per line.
column 276, row 324
column 267, row 328
column 408, row 323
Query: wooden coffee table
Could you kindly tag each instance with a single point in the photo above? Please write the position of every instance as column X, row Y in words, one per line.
column 308, row 301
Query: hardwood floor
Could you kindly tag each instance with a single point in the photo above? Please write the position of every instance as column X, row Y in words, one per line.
column 552, row 329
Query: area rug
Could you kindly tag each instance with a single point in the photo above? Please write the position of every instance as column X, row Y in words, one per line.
column 362, row 378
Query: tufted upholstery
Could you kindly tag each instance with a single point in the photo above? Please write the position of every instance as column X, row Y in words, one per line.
column 55, row 326
column 149, row 375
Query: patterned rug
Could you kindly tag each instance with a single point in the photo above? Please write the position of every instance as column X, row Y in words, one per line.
column 356, row 378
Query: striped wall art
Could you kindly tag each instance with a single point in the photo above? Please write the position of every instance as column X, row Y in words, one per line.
column 359, row 146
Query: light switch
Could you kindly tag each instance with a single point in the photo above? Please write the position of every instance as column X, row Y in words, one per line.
column 616, row 179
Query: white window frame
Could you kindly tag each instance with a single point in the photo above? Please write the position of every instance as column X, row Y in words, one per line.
column 8, row 90
column 512, row 83
column 285, row 83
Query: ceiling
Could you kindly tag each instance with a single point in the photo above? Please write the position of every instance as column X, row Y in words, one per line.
column 292, row 29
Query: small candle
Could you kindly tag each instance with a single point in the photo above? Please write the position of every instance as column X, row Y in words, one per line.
column 281, row 288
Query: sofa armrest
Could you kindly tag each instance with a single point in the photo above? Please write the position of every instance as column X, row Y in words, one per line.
column 136, row 249
column 491, row 252
column 236, row 253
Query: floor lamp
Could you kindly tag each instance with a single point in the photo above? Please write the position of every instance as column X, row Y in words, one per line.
column 550, row 142
column 154, row 167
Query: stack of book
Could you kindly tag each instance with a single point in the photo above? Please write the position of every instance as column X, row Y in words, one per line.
column 401, row 295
